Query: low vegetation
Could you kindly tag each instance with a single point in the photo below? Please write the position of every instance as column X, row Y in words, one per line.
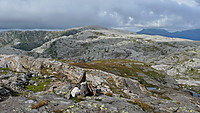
column 124, row 68
column 39, row 104
column 143, row 105
column 5, row 69
column 78, row 99
column 119, row 67
column 99, row 33
column 41, row 86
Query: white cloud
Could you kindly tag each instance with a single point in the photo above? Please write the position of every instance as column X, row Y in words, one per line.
column 130, row 21
column 191, row 3
column 170, row 14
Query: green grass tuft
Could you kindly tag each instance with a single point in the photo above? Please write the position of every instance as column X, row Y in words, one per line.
column 42, row 85
column 5, row 69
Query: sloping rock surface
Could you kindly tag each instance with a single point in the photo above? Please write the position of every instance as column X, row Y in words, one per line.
column 45, row 85
column 129, row 72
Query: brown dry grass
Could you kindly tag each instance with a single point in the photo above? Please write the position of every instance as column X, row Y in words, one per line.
column 57, row 111
column 107, row 93
column 143, row 105
column 39, row 104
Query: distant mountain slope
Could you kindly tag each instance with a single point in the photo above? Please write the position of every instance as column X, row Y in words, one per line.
column 187, row 34
column 30, row 39
column 177, row 57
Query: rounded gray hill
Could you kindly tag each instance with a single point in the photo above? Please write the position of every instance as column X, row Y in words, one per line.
column 122, row 71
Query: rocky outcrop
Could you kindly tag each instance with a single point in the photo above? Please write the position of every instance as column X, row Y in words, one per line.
column 126, row 72
column 46, row 85
column 93, row 43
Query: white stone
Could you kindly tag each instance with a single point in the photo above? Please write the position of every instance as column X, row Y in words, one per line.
column 75, row 92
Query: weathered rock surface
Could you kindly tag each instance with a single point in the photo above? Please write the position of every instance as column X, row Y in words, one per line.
column 180, row 57
column 120, row 92
column 126, row 72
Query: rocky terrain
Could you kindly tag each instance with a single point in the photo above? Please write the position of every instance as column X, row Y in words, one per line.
column 40, row 71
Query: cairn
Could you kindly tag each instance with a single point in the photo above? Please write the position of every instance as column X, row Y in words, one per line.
column 83, row 87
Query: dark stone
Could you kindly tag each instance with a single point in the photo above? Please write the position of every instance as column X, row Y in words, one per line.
column 82, row 78
column 84, row 89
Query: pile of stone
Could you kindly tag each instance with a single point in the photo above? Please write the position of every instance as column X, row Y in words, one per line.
column 83, row 88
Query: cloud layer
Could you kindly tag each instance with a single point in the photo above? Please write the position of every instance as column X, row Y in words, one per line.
column 125, row 14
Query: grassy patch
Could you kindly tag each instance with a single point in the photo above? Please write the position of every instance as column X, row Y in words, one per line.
column 93, row 37
column 143, row 105
column 42, row 85
column 99, row 33
column 48, row 71
column 5, row 69
column 123, row 68
column 45, row 71
column 4, row 72
column 164, row 97
column 167, row 44
column 78, row 99
column 150, row 41
column 112, row 85
column 154, row 74
column 193, row 71
column 119, row 67
column 58, row 111
column 98, row 99
column 160, row 95
column 183, row 61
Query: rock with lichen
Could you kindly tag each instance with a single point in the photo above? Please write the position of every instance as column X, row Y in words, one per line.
column 104, row 70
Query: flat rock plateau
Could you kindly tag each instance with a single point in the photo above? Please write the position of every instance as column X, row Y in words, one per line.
column 98, row 70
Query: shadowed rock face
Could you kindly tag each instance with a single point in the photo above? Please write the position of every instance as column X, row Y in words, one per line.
column 40, row 73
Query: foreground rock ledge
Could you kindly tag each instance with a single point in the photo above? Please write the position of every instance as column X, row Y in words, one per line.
column 42, row 85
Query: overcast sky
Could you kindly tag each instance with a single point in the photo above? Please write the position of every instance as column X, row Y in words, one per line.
column 125, row 14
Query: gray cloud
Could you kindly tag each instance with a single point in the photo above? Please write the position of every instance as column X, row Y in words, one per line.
column 126, row 14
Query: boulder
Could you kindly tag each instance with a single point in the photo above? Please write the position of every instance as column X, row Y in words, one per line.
column 75, row 92
column 84, row 90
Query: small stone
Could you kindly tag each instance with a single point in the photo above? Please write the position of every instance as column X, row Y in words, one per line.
column 53, row 78
column 5, row 81
column 45, row 76
column 75, row 92
column 24, row 78
column 34, row 75
column 39, row 75
column 29, row 101
column 31, row 82
column 1, row 99
column 36, row 84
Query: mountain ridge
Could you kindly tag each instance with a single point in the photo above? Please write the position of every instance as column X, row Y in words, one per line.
column 193, row 34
